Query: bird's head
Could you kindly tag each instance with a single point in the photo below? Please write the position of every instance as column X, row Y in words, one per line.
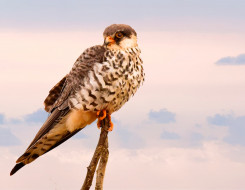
column 120, row 36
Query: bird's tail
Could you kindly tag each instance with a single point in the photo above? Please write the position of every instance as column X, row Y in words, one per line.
column 47, row 140
column 17, row 167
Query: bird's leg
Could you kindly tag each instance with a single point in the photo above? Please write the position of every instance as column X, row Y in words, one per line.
column 102, row 115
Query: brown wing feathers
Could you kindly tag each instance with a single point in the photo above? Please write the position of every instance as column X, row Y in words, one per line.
column 54, row 94
column 53, row 132
column 52, row 120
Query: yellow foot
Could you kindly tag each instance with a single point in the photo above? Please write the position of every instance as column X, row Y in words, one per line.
column 101, row 115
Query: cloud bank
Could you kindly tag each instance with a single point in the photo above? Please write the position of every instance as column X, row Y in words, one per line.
column 236, row 127
column 238, row 60
column 38, row 116
column 7, row 127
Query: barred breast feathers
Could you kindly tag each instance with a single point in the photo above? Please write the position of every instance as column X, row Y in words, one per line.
column 110, row 83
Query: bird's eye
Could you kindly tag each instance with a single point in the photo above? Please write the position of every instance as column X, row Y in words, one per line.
column 119, row 34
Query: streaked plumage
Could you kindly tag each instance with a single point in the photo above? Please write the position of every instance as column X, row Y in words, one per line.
column 102, row 78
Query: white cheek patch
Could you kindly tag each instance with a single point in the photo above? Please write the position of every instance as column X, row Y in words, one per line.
column 129, row 42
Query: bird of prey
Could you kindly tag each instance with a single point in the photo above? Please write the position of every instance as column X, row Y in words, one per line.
column 101, row 81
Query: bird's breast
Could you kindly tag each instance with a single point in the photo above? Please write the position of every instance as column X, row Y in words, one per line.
column 110, row 84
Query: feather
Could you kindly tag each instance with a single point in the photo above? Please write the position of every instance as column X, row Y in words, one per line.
column 62, row 122
column 16, row 168
column 54, row 94
column 53, row 126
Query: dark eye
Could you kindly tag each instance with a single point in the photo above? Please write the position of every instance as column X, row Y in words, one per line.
column 119, row 34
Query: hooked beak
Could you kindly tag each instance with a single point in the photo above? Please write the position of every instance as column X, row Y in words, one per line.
column 108, row 41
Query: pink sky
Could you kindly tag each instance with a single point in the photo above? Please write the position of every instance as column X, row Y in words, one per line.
column 200, row 144
column 180, row 76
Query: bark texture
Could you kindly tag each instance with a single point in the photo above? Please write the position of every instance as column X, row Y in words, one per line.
column 101, row 155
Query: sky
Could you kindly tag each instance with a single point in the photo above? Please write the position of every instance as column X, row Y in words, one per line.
column 183, row 130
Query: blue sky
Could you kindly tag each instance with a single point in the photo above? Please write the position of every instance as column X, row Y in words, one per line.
column 184, row 126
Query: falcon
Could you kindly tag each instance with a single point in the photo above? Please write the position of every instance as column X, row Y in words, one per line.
column 101, row 81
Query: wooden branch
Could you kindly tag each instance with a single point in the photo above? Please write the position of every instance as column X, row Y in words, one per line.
column 101, row 153
column 102, row 166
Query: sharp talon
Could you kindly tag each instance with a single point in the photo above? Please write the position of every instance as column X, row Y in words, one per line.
column 100, row 118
